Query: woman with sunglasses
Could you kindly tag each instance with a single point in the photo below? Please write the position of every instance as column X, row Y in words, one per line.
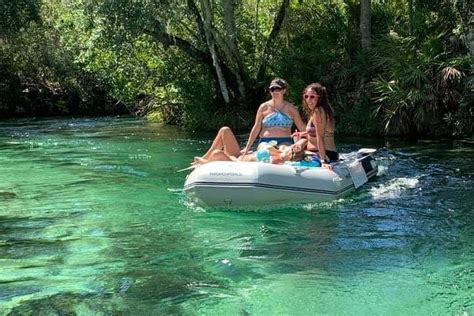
column 321, row 124
column 273, row 122
column 275, row 118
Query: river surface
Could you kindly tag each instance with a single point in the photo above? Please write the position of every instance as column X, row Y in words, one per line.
column 93, row 221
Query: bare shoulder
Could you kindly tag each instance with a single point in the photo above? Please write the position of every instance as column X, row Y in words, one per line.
column 262, row 108
column 318, row 111
column 265, row 105
column 290, row 107
column 317, row 114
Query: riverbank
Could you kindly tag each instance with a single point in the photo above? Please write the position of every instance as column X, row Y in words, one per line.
column 21, row 98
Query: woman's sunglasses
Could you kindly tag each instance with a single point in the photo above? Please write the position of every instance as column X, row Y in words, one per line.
column 275, row 89
column 311, row 96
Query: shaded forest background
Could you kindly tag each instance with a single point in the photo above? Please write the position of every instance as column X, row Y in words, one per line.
column 391, row 67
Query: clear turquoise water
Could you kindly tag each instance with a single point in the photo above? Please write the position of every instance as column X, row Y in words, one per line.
column 93, row 221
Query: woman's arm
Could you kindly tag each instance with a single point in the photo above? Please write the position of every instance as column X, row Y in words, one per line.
column 293, row 111
column 319, row 120
column 257, row 126
column 300, row 144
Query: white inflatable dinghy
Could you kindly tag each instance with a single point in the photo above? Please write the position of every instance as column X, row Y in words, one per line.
column 239, row 184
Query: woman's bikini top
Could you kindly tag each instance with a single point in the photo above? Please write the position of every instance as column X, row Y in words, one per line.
column 277, row 119
column 311, row 129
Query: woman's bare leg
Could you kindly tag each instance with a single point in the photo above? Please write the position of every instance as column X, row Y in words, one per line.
column 248, row 157
column 216, row 155
column 225, row 140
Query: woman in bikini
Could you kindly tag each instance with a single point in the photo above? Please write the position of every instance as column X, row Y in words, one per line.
column 275, row 118
column 321, row 124
column 273, row 122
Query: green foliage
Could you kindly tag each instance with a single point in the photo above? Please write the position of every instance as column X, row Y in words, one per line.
column 153, row 56
column 355, row 119
column 411, row 82
column 42, row 76
column 17, row 14
column 419, row 85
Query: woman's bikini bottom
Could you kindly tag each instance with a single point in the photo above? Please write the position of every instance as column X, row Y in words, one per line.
column 279, row 140
column 332, row 155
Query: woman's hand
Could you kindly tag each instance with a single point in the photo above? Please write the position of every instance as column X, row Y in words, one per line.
column 298, row 135
column 244, row 152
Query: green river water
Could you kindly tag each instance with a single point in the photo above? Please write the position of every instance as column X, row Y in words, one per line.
column 93, row 221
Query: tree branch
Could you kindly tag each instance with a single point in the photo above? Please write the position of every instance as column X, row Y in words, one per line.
column 277, row 24
column 166, row 39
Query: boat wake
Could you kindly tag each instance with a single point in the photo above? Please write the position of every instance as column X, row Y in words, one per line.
column 394, row 188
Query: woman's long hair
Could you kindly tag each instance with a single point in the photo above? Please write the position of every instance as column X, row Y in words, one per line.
column 322, row 102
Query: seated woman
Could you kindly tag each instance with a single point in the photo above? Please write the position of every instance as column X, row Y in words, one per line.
column 321, row 124
column 275, row 118
column 225, row 147
column 273, row 121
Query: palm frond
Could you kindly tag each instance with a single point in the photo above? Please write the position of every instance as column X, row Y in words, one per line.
column 450, row 75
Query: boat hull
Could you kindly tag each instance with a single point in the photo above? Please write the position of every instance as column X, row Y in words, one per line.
column 239, row 184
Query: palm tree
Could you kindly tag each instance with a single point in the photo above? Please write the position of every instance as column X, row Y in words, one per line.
column 365, row 24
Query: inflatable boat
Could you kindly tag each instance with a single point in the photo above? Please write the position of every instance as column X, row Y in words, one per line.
column 240, row 184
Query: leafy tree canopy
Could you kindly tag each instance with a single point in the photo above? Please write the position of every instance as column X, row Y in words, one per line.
column 206, row 63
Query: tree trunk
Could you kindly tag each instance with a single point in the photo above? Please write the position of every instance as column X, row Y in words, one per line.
column 410, row 17
column 197, row 17
column 365, row 24
column 255, row 32
column 465, row 10
column 230, row 45
column 280, row 17
column 207, row 15
column 219, row 50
